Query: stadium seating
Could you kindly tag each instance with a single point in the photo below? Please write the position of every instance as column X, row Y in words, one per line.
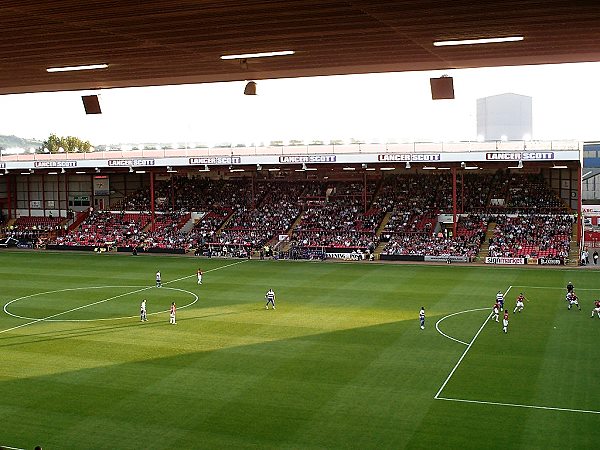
column 246, row 214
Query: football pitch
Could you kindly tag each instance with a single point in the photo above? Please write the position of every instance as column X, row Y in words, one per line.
column 341, row 363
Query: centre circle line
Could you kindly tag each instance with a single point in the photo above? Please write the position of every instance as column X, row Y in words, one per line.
column 34, row 321
column 50, row 318
column 454, row 314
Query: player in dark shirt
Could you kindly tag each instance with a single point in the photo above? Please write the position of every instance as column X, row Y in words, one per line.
column 570, row 287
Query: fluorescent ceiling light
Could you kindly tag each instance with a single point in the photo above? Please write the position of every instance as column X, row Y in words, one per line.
column 387, row 168
column 478, row 41
column 370, row 168
column 259, row 55
column 311, row 168
column 237, row 170
column 75, row 68
column 349, row 168
column 428, row 168
column 560, row 167
column 471, row 167
column 443, row 168
column 52, row 173
column 273, row 169
column 80, row 173
column 140, row 171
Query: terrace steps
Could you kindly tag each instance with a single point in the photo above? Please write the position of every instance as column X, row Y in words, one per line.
column 485, row 247
column 286, row 246
column 224, row 224
column 379, row 249
column 573, row 259
column 380, row 229
column 383, row 223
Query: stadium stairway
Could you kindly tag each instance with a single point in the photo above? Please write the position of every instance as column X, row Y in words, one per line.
column 286, row 246
column 224, row 225
column 378, row 250
column 383, row 223
column 187, row 227
column 573, row 259
column 485, row 247
column 380, row 229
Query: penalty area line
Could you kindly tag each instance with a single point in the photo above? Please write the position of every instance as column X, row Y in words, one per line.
column 469, row 345
column 517, row 405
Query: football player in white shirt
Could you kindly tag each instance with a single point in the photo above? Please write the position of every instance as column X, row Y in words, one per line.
column 143, row 317
column 495, row 311
column 270, row 297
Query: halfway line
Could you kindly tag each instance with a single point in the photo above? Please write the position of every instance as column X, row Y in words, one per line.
column 465, row 352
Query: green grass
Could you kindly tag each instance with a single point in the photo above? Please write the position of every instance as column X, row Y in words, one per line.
column 341, row 363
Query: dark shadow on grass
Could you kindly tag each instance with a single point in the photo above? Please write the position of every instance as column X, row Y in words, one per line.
column 313, row 391
column 7, row 340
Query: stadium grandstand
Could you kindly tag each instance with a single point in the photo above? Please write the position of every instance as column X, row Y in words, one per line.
column 495, row 202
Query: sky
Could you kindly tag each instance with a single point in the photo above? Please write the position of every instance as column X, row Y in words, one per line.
column 374, row 108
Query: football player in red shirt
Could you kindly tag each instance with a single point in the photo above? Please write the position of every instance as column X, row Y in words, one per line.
column 573, row 300
column 596, row 309
column 520, row 305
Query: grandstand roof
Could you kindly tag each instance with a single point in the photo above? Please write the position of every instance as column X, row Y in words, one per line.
column 157, row 42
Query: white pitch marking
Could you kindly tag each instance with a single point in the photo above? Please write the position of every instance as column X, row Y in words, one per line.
column 102, row 301
column 454, row 314
column 469, row 345
column 209, row 270
column 556, row 288
column 99, row 319
column 55, row 291
column 551, row 408
column 74, row 309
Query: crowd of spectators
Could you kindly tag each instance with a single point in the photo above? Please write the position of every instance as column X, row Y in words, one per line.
column 249, row 214
column 467, row 242
column 105, row 228
column 546, row 236
column 130, row 230
column 529, row 193
column 337, row 223
column 274, row 215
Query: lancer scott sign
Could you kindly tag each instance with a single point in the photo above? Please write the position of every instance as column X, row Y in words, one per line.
column 516, row 156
